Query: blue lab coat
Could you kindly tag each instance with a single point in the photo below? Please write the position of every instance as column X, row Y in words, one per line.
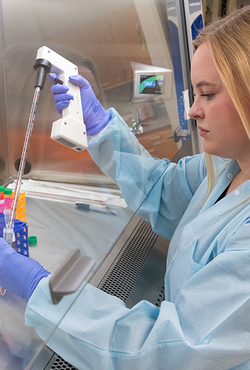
column 204, row 322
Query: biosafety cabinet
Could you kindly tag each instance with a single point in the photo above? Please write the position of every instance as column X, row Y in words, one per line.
column 136, row 55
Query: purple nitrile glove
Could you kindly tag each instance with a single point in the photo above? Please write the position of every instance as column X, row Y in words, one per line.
column 19, row 274
column 94, row 115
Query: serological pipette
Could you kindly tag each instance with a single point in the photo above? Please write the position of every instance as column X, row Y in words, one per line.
column 42, row 69
column 10, row 222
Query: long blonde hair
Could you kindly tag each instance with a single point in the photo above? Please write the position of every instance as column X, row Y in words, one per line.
column 229, row 39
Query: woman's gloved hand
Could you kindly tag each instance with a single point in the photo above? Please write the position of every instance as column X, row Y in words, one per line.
column 94, row 115
column 19, row 274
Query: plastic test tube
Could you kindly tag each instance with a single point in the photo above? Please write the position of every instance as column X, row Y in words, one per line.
column 7, row 198
column 7, row 193
column 8, row 232
column 2, row 194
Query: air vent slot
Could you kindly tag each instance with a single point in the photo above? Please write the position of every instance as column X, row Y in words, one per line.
column 123, row 274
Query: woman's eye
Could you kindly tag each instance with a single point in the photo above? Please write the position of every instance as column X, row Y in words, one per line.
column 208, row 96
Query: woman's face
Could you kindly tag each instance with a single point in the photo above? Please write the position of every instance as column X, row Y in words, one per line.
column 218, row 120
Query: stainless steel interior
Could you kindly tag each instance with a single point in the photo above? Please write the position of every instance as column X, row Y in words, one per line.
column 102, row 38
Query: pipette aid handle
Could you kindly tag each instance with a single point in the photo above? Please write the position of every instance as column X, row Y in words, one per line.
column 70, row 129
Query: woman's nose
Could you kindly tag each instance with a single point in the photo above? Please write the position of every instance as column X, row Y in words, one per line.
column 196, row 112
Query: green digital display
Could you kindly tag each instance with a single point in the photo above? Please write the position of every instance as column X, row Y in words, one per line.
column 153, row 84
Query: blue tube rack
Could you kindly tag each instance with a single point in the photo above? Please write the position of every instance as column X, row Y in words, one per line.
column 21, row 235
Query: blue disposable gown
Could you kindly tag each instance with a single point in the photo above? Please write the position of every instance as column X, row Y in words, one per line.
column 204, row 322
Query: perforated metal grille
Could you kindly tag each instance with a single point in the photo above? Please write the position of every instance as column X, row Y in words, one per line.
column 61, row 364
column 125, row 271
column 161, row 296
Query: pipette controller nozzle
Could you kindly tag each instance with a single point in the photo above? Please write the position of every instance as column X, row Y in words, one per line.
column 42, row 67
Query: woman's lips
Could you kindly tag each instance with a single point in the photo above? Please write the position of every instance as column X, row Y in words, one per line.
column 203, row 132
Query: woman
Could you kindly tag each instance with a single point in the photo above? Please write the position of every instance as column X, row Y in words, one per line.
column 202, row 206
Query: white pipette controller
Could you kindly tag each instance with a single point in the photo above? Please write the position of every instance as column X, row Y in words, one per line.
column 70, row 129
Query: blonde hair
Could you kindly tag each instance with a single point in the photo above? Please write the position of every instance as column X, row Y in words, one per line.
column 229, row 39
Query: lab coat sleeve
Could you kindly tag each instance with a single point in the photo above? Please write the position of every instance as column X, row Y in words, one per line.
column 207, row 327
column 143, row 179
